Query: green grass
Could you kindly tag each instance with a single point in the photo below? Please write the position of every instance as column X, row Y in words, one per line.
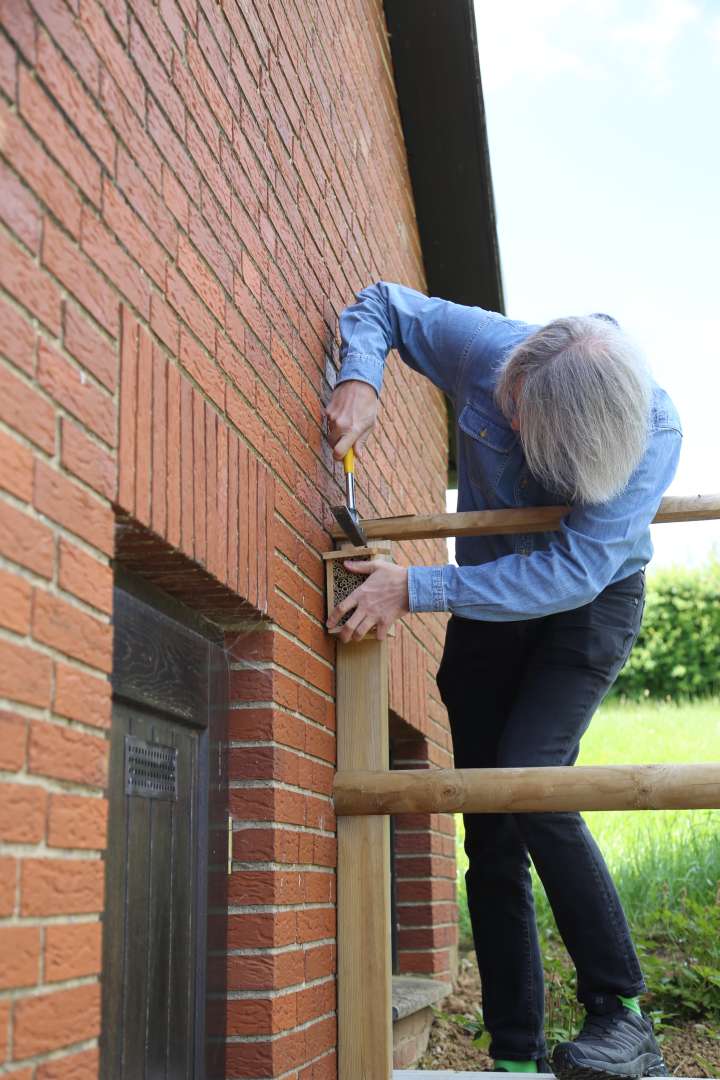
column 655, row 856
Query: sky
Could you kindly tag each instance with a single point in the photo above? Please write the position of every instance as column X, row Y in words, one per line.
column 605, row 155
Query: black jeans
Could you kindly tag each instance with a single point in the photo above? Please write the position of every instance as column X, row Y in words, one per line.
column 523, row 693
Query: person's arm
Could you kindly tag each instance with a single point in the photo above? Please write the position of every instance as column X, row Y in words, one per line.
column 430, row 334
column 593, row 541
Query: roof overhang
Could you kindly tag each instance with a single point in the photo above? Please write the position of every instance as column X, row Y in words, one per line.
column 437, row 76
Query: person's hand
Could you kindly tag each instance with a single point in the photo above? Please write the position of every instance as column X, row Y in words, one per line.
column 351, row 414
column 378, row 602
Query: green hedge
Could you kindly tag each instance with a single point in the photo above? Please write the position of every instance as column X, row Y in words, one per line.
column 677, row 653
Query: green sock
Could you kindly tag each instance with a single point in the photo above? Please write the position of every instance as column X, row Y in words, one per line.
column 631, row 1003
column 516, row 1066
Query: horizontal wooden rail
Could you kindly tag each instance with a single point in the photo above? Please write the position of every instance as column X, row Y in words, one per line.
column 526, row 519
column 527, row 790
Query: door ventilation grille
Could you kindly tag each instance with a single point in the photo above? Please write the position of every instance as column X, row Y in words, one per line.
column 150, row 769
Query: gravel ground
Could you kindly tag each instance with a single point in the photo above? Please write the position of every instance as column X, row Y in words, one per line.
column 686, row 1050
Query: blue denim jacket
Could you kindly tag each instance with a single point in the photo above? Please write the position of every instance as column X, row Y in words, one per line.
column 504, row 578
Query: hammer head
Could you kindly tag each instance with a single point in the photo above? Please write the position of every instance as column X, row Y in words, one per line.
column 349, row 522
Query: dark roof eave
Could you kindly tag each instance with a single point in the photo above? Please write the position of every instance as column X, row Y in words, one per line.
column 437, row 76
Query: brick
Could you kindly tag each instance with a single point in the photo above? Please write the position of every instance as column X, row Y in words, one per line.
column 146, row 202
column 75, row 821
column 16, row 467
column 5, row 1009
column 143, row 428
column 25, row 540
column 199, row 478
column 61, row 887
column 54, row 1020
column 134, row 234
column 193, row 313
column 82, row 1066
column 81, row 696
column 17, row 338
column 202, row 279
column 127, row 125
column 187, row 467
column 26, row 410
column 67, row 754
column 18, row 21
column 128, row 406
column 22, row 813
column 66, row 502
column 80, row 277
column 173, row 151
column 70, row 387
column 112, row 53
column 85, row 576
column 202, row 369
column 20, row 950
column 58, row 623
column 164, row 322
column 28, row 284
column 19, row 209
column 155, row 75
column 89, row 346
column 47, row 122
column 8, row 885
column 72, row 952
column 13, row 740
column 68, row 36
column 119, row 267
column 159, row 442
column 8, row 72
column 68, row 91
column 15, row 602
column 87, row 459
column 173, row 458
column 25, row 674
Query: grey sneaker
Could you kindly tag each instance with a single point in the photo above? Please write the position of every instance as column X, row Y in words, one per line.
column 610, row 1045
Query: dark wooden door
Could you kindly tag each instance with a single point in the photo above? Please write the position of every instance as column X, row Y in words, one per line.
column 165, row 830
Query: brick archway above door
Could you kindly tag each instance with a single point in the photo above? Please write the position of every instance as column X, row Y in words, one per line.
column 184, row 472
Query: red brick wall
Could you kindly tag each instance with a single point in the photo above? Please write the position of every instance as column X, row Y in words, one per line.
column 190, row 195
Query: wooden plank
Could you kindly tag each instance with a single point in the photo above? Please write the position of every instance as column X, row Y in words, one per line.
column 364, row 956
column 528, row 790
column 113, row 938
column 157, row 662
column 526, row 519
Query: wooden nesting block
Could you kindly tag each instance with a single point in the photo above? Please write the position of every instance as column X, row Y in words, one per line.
column 340, row 582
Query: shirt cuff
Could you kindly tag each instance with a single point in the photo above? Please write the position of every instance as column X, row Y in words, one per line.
column 364, row 367
column 426, row 588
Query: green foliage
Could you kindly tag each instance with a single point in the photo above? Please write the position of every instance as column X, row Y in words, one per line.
column 676, row 653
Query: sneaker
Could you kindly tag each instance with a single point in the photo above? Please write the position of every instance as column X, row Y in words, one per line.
column 610, row 1045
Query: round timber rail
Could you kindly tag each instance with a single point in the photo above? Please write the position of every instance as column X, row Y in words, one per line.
column 525, row 519
column 528, row 790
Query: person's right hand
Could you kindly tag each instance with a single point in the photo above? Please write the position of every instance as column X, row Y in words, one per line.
column 351, row 414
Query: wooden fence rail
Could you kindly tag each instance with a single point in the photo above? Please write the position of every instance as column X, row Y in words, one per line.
column 526, row 519
column 528, row 790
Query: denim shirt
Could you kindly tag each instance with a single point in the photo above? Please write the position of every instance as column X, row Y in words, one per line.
column 504, row 578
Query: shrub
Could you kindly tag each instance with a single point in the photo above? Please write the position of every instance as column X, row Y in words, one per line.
column 677, row 651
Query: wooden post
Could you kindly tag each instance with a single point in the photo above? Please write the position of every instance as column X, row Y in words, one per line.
column 363, row 872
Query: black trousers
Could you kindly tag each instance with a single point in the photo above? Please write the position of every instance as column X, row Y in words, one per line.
column 523, row 693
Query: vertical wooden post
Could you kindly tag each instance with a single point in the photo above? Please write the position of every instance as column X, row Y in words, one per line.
column 364, row 950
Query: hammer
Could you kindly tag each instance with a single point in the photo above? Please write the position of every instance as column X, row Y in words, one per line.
column 347, row 516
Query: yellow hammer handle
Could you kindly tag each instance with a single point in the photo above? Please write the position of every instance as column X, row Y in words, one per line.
column 349, row 461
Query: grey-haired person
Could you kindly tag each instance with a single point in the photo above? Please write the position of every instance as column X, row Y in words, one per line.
column 541, row 623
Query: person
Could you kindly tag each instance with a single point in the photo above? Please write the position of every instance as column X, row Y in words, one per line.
column 541, row 623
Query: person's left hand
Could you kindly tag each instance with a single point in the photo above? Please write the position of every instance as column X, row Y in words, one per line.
column 378, row 602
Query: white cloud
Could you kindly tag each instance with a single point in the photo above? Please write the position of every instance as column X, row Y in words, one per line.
column 522, row 41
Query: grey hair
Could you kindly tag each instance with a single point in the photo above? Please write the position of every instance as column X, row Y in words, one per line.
column 582, row 392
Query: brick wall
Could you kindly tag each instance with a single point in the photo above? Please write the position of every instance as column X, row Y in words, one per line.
column 190, row 195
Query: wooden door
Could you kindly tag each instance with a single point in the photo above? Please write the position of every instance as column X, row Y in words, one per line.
column 165, row 828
